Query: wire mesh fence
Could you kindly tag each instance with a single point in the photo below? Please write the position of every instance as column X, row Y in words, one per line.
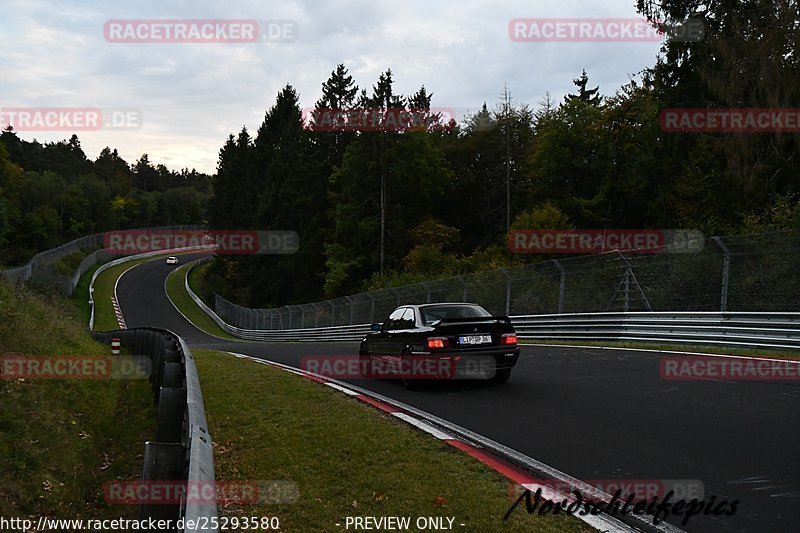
column 42, row 269
column 737, row 273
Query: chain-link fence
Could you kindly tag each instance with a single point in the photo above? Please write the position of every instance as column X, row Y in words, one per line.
column 42, row 270
column 738, row 273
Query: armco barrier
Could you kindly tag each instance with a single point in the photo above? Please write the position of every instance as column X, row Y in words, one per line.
column 182, row 448
column 734, row 329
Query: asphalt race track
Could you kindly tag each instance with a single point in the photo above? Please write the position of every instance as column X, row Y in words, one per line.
column 592, row 413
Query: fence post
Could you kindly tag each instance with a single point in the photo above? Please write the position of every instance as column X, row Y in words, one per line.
column 505, row 273
column 562, row 285
column 371, row 308
column 464, row 288
column 333, row 311
column 726, row 269
column 427, row 291
column 351, row 300
column 627, row 290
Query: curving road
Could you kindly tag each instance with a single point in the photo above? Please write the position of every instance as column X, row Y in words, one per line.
column 592, row 413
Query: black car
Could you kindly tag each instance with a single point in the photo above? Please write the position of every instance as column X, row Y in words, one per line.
column 465, row 339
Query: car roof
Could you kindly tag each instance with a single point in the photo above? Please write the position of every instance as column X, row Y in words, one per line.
column 438, row 304
column 449, row 303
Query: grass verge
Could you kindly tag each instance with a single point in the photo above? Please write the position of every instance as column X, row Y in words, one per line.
column 60, row 440
column 347, row 458
column 747, row 352
column 176, row 290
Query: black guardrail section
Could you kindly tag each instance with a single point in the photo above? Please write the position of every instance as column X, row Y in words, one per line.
column 182, row 450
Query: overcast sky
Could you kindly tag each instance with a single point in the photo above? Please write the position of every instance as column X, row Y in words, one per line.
column 191, row 96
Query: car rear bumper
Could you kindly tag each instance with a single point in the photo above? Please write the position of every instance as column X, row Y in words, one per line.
column 476, row 363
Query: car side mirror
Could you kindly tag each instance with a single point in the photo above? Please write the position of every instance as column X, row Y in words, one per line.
column 375, row 327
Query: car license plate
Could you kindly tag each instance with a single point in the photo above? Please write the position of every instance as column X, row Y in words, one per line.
column 475, row 339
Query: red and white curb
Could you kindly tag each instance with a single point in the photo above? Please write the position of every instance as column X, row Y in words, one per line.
column 512, row 472
column 118, row 312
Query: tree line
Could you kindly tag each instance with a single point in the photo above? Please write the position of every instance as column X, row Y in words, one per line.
column 434, row 198
column 441, row 200
column 52, row 193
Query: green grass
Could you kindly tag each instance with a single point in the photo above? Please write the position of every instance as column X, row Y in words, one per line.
column 176, row 290
column 748, row 352
column 60, row 440
column 348, row 459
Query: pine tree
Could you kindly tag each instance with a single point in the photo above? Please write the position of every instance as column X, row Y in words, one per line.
column 589, row 96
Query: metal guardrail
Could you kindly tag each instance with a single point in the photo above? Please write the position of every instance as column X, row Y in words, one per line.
column 182, row 448
column 732, row 329
column 735, row 329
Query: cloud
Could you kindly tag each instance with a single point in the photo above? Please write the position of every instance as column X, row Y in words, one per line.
column 193, row 95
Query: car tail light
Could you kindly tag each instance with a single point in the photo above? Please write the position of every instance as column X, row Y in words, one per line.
column 438, row 342
column 508, row 338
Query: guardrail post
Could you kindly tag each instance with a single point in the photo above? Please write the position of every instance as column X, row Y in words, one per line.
column 562, row 285
column 171, row 406
column 162, row 462
column 726, row 268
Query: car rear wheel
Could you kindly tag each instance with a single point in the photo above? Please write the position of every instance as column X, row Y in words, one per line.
column 410, row 384
column 501, row 375
column 363, row 361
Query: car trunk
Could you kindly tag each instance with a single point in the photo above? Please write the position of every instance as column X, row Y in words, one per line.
column 464, row 333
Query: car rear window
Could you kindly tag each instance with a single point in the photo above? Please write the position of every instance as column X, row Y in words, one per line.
column 432, row 314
